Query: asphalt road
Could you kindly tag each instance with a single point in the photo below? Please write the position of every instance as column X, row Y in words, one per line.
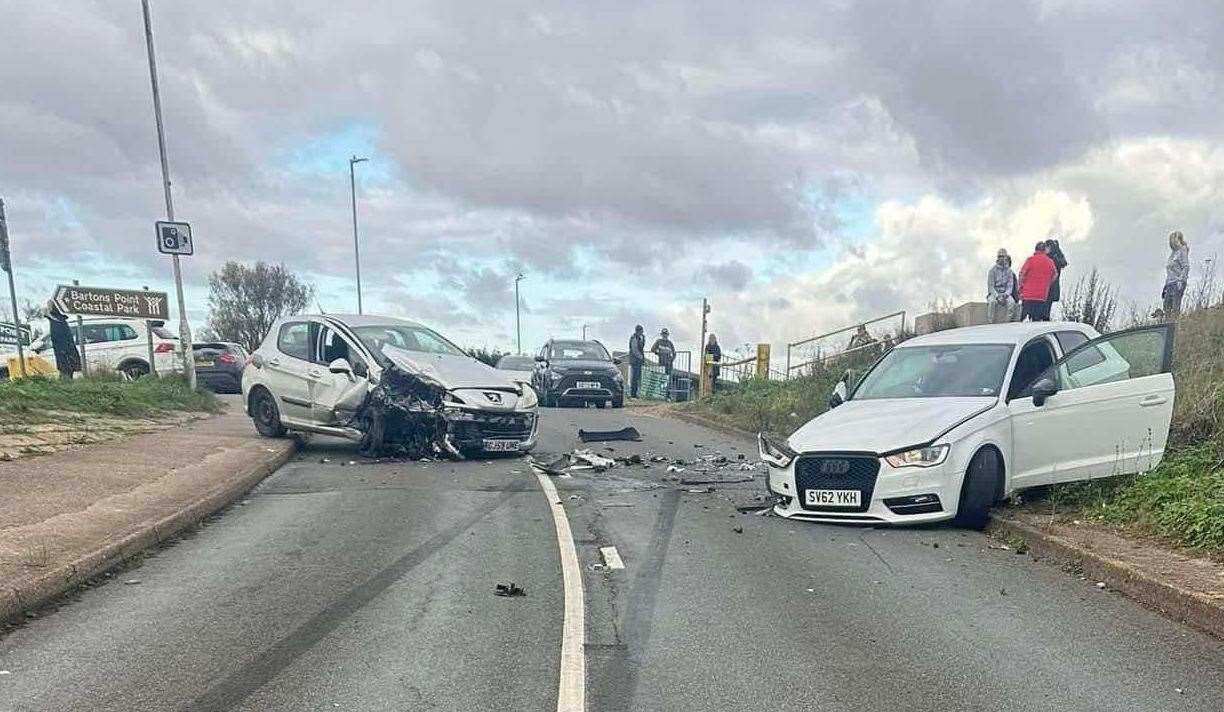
column 370, row 587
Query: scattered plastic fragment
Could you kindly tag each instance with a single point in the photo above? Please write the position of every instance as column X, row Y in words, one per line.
column 509, row 590
column 602, row 436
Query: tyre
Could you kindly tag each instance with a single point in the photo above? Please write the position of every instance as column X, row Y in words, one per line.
column 978, row 491
column 547, row 400
column 373, row 433
column 601, row 404
column 266, row 415
column 134, row 369
column 618, row 402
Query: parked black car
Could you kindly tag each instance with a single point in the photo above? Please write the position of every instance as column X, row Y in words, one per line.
column 219, row 365
column 577, row 372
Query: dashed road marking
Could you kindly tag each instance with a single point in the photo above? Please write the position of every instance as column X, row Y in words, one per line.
column 612, row 558
column 571, row 690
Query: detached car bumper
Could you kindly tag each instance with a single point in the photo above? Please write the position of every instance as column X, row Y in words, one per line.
column 885, row 493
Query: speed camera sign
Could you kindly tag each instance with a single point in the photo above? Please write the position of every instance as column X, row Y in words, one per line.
column 174, row 238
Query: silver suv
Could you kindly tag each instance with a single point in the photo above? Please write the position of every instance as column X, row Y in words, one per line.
column 392, row 385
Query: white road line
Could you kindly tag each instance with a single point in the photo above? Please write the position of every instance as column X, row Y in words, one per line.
column 571, row 692
column 612, row 558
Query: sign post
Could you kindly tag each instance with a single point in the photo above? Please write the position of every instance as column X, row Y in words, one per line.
column 149, row 336
column 6, row 263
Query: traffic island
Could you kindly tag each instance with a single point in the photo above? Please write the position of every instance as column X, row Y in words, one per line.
column 70, row 516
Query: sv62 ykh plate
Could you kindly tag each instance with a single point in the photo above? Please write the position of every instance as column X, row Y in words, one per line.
column 501, row 445
column 832, row 498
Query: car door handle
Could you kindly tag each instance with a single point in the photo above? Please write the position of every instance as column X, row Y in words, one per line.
column 274, row 361
column 1150, row 401
column 314, row 373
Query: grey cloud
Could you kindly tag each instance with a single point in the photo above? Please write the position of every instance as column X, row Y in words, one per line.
column 733, row 275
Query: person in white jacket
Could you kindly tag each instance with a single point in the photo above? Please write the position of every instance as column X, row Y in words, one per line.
column 1177, row 273
column 1001, row 290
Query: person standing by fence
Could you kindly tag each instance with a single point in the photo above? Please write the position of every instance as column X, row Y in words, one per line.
column 665, row 351
column 1035, row 278
column 637, row 357
column 1177, row 274
column 1060, row 262
column 1000, row 288
column 713, row 354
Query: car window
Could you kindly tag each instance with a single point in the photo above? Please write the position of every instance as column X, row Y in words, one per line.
column 407, row 337
column 293, row 339
column 1118, row 357
column 1070, row 340
column 1034, row 359
column 333, row 346
column 954, row 370
column 578, row 351
column 103, row 333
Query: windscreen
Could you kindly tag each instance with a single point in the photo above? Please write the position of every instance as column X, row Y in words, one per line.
column 578, row 351
column 961, row 370
column 408, row 338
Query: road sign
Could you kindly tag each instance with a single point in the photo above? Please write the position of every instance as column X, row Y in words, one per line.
column 8, row 334
column 174, row 238
column 101, row 301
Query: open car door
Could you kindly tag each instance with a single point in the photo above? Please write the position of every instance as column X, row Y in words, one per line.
column 1103, row 409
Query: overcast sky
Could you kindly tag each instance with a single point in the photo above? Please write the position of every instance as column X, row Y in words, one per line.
column 803, row 165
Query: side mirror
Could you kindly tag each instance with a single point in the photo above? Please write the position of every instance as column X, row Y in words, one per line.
column 341, row 366
column 618, row 360
column 541, row 359
column 839, row 395
column 1043, row 389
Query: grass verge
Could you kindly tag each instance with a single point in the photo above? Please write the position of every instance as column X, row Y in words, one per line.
column 772, row 406
column 31, row 399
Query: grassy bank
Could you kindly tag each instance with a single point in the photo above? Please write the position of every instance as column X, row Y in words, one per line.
column 773, row 406
column 30, row 399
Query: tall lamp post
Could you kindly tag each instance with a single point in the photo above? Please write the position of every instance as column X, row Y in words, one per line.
column 584, row 328
column 356, row 244
column 518, row 322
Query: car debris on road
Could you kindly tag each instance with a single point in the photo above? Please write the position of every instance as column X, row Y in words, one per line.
column 509, row 590
column 600, row 436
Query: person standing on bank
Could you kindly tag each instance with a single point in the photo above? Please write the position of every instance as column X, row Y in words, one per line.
column 637, row 357
column 1035, row 278
column 714, row 354
column 1177, row 274
column 1000, row 288
column 1060, row 262
column 67, row 358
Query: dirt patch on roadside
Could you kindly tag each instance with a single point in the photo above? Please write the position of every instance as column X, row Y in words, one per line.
column 70, row 430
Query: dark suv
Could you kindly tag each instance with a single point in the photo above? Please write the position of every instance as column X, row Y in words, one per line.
column 577, row 372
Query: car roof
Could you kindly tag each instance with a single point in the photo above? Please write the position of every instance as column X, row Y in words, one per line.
column 1017, row 332
column 365, row 319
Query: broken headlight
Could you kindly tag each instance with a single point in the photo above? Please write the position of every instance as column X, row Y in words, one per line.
column 528, row 399
column 774, row 451
column 920, row 457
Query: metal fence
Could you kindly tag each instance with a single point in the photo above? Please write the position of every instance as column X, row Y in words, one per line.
column 822, row 351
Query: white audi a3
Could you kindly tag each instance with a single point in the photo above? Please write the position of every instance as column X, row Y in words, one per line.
column 947, row 424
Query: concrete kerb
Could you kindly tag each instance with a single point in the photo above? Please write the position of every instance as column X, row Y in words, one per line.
column 1190, row 607
column 54, row 584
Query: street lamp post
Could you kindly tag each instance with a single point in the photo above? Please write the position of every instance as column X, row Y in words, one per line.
column 518, row 322
column 584, row 328
column 356, row 245
column 184, row 327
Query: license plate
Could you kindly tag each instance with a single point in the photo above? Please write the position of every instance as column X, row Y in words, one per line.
column 833, row 498
column 200, row 362
column 501, row 445
column 589, row 384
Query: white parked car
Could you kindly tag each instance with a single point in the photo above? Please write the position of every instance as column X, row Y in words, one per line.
column 120, row 344
column 390, row 384
column 947, row 424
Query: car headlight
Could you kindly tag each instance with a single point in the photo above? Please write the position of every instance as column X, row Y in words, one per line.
column 920, row 457
column 556, row 375
column 528, row 399
column 775, row 452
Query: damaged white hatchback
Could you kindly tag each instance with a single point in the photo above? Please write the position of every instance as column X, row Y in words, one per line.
column 394, row 386
column 946, row 424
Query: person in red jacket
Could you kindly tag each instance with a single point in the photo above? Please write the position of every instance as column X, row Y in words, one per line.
column 1035, row 278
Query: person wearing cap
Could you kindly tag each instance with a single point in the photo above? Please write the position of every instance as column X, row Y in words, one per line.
column 665, row 351
column 637, row 357
column 1000, row 290
column 1177, row 273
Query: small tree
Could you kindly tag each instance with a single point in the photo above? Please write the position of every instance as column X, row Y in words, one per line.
column 244, row 301
column 487, row 355
column 1092, row 302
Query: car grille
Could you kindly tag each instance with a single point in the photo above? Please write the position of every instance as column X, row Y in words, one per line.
column 570, row 383
column 495, row 427
column 859, row 475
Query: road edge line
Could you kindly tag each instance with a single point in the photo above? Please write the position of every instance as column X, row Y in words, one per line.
column 571, row 687
column 53, row 585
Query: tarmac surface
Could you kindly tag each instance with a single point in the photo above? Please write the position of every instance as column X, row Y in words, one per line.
column 347, row 584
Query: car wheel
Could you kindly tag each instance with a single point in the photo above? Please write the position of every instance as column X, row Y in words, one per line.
column 978, row 491
column 134, row 370
column 601, row 404
column 373, row 434
column 618, row 402
column 266, row 415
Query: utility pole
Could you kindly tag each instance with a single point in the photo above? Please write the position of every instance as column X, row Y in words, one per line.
column 518, row 322
column 701, row 352
column 184, row 327
column 6, row 263
column 584, row 330
column 356, row 244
